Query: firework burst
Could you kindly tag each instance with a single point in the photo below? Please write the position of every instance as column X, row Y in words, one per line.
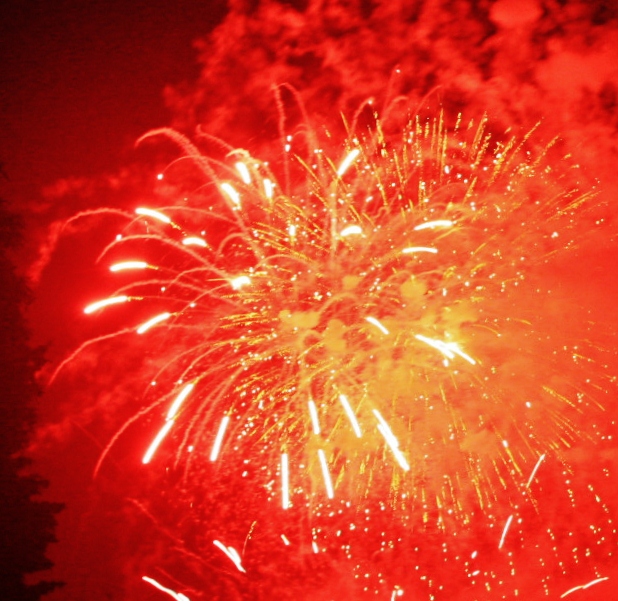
column 378, row 330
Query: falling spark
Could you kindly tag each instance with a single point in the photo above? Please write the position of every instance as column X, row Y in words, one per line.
column 244, row 172
column 153, row 322
column 232, row 193
column 377, row 324
column 313, row 412
column 194, row 241
column 184, row 393
column 128, row 265
column 154, row 214
column 240, row 281
column 114, row 300
column 506, row 529
column 345, row 164
column 285, row 482
column 170, row 592
column 434, row 224
column 534, row 471
column 154, row 445
column 216, row 447
column 326, row 474
column 232, row 554
column 419, row 249
column 391, row 440
column 350, row 414
column 584, row 586
column 351, row 230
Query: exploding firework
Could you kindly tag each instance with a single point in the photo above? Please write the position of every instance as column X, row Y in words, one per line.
column 377, row 343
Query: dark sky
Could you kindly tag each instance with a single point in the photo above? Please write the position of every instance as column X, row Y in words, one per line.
column 81, row 80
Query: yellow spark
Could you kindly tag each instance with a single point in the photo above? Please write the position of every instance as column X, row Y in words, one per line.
column 169, row 591
column 506, row 529
column 184, row 393
column 231, row 553
column 345, row 164
column 232, row 193
column 313, row 412
column 194, row 241
column 154, row 214
column 113, row 300
column 285, row 481
column 377, row 324
column 327, row 481
column 244, row 172
column 154, row 445
column 152, row 322
column 433, row 224
column 350, row 414
column 240, row 281
column 216, row 447
column 128, row 265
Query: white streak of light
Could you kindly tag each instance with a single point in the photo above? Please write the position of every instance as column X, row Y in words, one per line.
column 351, row 230
column 169, row 591
column 506, row 529
column 268, row 188
column 448, row 349
column 244, row 172
column 285, row 481
column 432, row 224
column 240, row 281
column 377, row 324
column 232, row 193
column 327, row 481
column 114, row 300
column 216, row 447
column 128, row 265
column 285, row 540
column 314, row 546
column 583, row 586
column 345, row 164
column 313, row 412
column 351, row 416
column 154, row 445
column 391, row 440
column 153, row 322
column 419, row 249
column 194, row 241
column 154, row 214
column 231, row 553
column 184, row 393
column 534, row 471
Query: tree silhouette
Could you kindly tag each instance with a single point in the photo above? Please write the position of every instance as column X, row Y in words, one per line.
column 26, row 524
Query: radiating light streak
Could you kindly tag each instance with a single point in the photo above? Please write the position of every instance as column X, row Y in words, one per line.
column 269, row 188
column 128, row 265
column 231, row 553
column 391, row 440
column 240, row 281
column 194, row 241
column 169, row 591
column 448, row 349
column 232, row 193
column 345, row 164
column 326, row 474
column 350, row 414
column 244, row 172
column 351, row 230
column 285, row 481
column 506, row 529
column 153, row 322
column 154, row 445
column 584, row 586
column 534, row 471
column 419, row 249
column 184, row 393
column 313, row 412
column 154, row 214
column 432, row 224
column 216, row 447
column 377, row 324
column 113, row 300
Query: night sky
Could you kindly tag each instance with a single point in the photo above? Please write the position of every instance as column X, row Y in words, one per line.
column 81, row 81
